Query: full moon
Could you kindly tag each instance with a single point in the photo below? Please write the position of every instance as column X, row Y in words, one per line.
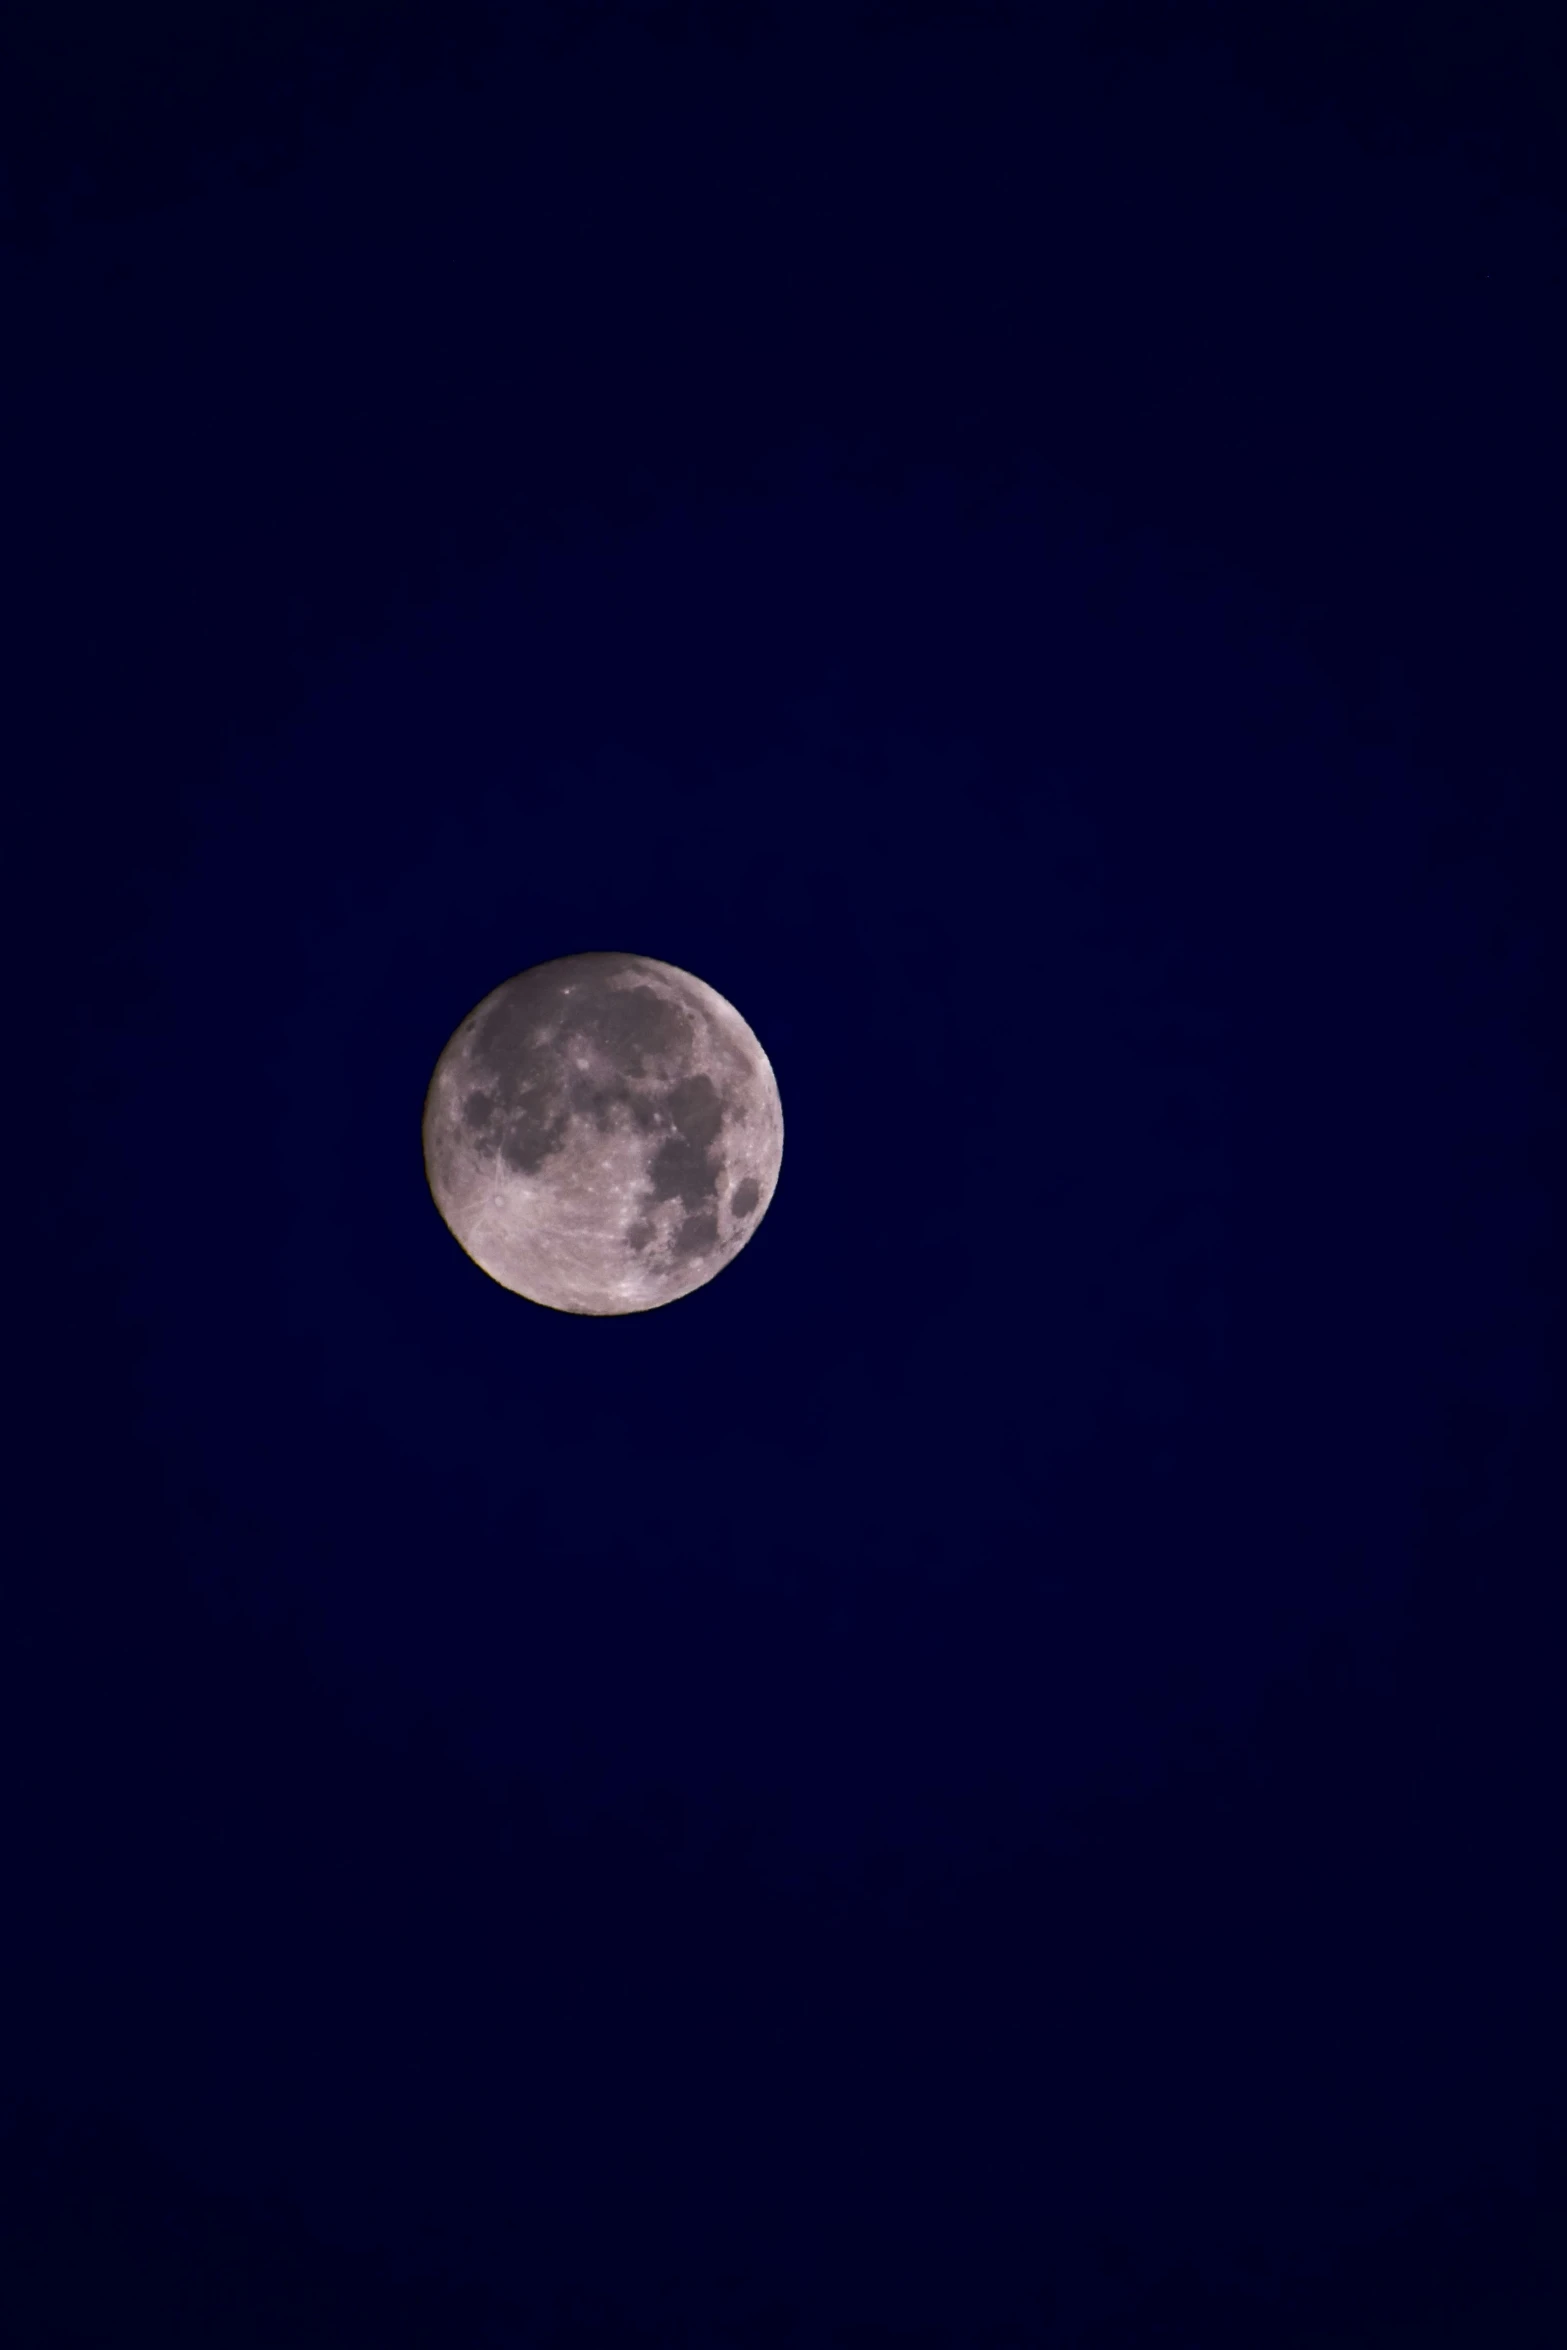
column 602, row 1134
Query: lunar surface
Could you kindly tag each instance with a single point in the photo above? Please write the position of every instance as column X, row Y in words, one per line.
column 603, row 1133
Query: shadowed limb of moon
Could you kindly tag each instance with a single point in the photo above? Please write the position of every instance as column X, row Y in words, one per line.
column 603, row 1133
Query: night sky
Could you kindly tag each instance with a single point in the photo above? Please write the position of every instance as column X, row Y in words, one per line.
column 995, row 1777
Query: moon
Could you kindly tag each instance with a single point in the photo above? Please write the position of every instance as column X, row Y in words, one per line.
column 602, row 1134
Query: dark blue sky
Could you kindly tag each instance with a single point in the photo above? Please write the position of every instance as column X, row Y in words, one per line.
column 995, row 1775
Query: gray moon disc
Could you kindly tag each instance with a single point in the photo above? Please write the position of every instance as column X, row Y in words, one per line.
column 603, row 1133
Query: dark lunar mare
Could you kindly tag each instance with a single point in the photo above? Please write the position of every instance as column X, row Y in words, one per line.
column 630, row 1026
column 683, row 1165
column 522, row 1046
